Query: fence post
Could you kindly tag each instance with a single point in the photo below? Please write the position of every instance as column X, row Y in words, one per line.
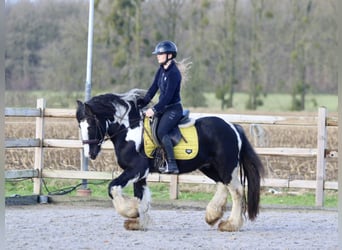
column 321, row 146
column 173, row 187
column 38, row 153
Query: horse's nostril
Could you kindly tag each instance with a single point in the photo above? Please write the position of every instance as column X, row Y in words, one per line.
column 92, row 156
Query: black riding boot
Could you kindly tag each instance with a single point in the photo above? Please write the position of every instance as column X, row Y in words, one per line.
column 171, row 166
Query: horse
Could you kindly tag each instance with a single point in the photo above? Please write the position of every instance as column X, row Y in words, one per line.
column 224, row 155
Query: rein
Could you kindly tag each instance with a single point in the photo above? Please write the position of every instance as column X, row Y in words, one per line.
column 104, row 137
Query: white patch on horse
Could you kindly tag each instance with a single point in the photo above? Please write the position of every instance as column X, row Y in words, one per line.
column 144, row 207
column 134, row 135
column 121, row 115
column 237, row 136
column 124, row 205
column 137, row 177
column 84, row 135
column 236, row 191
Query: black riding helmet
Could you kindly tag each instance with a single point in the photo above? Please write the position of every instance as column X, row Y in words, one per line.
column 166, row 47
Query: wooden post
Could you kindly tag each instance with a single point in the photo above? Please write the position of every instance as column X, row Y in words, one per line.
column 321, row 146
column 174, row 187
column 38, row 153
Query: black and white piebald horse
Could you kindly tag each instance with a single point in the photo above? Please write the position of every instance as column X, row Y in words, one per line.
column 223, row 151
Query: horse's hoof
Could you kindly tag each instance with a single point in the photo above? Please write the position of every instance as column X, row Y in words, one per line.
column 211, row 222
column 132, row 224
column 213, row 215
column 227, row 226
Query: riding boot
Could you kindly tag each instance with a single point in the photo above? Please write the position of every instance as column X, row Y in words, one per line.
column 171, row 166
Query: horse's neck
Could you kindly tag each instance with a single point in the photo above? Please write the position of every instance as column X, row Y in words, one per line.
column 121, row 135
column 127, row 144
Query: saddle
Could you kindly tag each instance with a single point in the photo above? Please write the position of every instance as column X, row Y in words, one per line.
column 184, row 138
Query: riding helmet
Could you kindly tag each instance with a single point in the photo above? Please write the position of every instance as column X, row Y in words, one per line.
column 166, row 47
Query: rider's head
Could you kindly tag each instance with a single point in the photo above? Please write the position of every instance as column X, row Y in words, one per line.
column 167, row 48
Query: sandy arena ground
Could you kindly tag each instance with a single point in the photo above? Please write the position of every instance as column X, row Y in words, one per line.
column 49, row 226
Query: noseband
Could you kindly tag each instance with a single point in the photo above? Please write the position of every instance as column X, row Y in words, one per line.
column 98, row 128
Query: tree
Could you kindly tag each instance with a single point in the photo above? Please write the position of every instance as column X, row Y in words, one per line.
column 299, row 53
column 255, row 89
column 63, row 65
column 28, row 35
column 193, row 92
column 263, row 45
column 226, row 48
column 46, row 45
column 120, row 24
column 170, row 18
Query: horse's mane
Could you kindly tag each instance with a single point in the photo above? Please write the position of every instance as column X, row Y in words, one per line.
column 106, row 105
column 133, row 95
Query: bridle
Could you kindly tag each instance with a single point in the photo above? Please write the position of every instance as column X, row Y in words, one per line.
column 98, row 128
column 104, row 136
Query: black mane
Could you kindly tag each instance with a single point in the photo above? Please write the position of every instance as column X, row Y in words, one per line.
column 103, row 104
column 106, row 105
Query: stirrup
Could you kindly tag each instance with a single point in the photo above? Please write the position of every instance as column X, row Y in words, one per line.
column 170, row 171
column 176, row 171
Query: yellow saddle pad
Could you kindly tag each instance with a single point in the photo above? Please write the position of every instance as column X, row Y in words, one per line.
column 186, row 149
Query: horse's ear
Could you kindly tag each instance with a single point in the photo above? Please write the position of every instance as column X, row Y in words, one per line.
column 87, row 109
column 79, row 110
column 79, row 103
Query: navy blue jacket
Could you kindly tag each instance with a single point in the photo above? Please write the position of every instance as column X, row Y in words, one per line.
column 169, row 83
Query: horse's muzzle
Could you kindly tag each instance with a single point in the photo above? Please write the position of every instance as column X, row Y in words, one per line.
column 92, row 156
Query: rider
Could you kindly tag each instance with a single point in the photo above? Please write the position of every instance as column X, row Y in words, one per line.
column 169, row 108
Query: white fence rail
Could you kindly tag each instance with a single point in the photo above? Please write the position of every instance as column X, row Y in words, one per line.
column 322, row 121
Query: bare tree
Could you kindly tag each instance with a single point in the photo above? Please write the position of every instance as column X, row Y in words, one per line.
column 195, row 88
column 265, row 46
column 226, row 49
column 256, row 78
column 300, row 45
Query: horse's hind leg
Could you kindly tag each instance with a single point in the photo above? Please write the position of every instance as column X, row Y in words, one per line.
column 235, row 220
column 217, row 206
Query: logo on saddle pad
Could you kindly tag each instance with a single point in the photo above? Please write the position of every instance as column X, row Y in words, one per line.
column 186, row 149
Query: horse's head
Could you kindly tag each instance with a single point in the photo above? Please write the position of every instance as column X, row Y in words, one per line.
column 93, row 130
column 107, row 115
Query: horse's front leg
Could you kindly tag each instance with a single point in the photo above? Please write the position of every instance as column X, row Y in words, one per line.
column 141, row 192
column 131, row 207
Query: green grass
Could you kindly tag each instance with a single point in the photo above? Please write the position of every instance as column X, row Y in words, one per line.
column 160, row 191
column 54, row 99
column 23, row 187
column 306, row 200
column 272, row 102
column 279, row 102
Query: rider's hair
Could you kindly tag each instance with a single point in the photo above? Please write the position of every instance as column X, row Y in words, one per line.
column 184, row 67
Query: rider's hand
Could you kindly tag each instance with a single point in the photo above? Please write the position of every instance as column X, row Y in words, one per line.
column 149, row 113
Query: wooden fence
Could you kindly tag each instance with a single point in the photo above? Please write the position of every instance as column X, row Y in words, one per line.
column 321, row 152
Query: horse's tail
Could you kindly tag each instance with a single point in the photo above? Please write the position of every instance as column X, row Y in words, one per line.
column 254, row 170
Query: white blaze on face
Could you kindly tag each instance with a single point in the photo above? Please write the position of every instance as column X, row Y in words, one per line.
column 84, row 133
